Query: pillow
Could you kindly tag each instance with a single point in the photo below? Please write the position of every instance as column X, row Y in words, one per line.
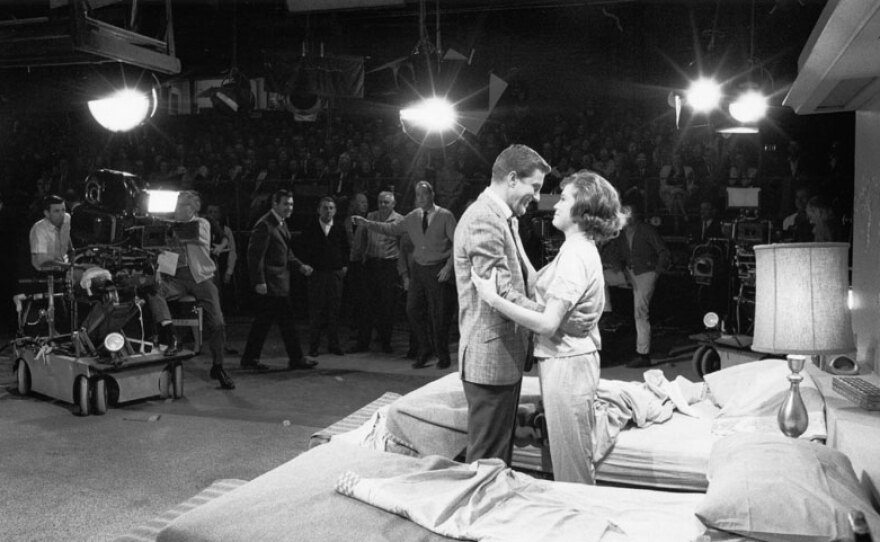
column 750, row 394
column 774, row 488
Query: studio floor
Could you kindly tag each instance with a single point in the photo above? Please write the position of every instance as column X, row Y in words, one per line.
column 95, row 478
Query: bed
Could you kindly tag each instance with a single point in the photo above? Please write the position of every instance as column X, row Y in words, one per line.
column 340, row 491
column 670, row 455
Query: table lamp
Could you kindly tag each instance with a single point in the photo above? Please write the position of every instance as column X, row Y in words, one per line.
column 800, row 310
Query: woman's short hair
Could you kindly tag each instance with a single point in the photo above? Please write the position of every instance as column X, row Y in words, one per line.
column 597, row 205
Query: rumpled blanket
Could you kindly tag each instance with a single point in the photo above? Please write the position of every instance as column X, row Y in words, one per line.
column 620, row 403
column 374, row 435
column 483, row 501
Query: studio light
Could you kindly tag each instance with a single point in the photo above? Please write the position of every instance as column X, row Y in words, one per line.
column 124, row 109
column 703, row 95
column 749, row 107
column 432, row 122
column 162, row 201
column 433, row 115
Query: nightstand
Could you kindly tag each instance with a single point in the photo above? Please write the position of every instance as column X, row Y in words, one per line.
column 854, row 431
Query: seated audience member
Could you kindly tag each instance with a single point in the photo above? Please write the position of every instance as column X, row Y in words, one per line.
column 675, row 178
column 796, row 227
column 742, row 173
column 450, row 185
column 826, row 226
column 709, row 227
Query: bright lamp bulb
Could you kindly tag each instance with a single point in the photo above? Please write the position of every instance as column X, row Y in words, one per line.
column 114, row 342
column 711, row 320
column 121, row 111
column 703, row 95
column 432, row 115
column 162, row 201
column 749, row 108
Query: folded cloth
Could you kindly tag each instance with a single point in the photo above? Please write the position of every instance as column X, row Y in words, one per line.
column 483, row 501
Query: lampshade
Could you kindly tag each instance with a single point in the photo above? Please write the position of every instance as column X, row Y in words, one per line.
column 800, row 299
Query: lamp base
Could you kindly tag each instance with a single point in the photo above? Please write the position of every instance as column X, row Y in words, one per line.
column 792, row 416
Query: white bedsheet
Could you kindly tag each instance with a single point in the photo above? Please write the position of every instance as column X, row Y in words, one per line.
column 673, row 454
column 487, row 502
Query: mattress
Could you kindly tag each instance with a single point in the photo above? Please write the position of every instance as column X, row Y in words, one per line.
column 297, row 501
column 669, row 455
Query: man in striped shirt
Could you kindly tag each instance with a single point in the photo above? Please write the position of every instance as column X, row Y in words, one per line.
column 383, row 269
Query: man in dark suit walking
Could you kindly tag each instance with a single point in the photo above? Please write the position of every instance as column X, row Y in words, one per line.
column 269, row 260
column 326, row 250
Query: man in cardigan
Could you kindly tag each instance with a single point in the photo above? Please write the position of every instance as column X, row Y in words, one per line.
column 429, row 302
column 326, row 250
column 269, row 260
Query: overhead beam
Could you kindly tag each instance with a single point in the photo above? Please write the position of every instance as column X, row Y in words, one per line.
column 82, row 39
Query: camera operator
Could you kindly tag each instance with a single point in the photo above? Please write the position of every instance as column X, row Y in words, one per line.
column 189, row 270
column 50, row 236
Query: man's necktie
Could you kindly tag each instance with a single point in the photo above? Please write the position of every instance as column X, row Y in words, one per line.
column 514, row 230
column 512, row 222
column 424, row 221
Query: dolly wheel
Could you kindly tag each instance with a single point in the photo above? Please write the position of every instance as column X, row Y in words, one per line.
column 178, row 381
column 697, row 360
column 99, row 396
column 81, row 392
column 24, row 377
column 710, row 362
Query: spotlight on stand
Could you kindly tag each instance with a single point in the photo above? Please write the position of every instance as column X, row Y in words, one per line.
column 233, row 96
column 124, row 109
column 433, row 122
column 749, row 107
column 704, row 95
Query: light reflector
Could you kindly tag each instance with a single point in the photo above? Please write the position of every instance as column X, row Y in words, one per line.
column 749, row 108
column 121, row 111
column 704, row 95
column 434, row 115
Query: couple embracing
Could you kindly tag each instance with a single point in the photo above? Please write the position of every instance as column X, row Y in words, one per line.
column 506, row 308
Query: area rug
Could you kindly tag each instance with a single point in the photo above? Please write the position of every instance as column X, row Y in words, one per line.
column 150, row 530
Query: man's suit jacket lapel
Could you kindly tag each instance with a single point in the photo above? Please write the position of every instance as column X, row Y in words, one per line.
column 513, row 264
column 280, row 227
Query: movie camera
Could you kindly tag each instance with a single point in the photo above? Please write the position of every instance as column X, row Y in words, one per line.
column 728, row 261
column 106, row 356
